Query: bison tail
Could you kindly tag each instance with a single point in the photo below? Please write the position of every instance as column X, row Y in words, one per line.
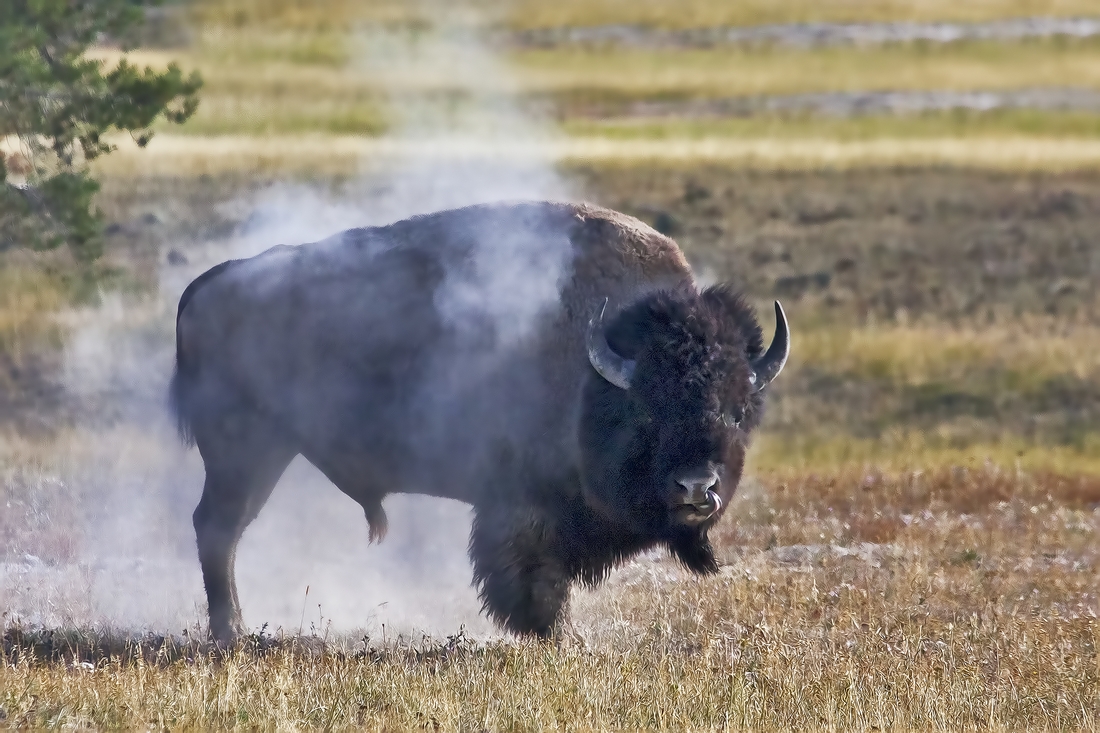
column 181, row 391
column 178, row 392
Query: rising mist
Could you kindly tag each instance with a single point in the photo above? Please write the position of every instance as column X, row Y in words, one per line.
column 132, row 562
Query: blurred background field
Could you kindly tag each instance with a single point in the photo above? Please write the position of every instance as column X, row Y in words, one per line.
column 916, row 544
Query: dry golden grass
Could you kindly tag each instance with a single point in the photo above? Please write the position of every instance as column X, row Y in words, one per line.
column 908, row 448
column 348, row 79
column 897, row 581
column 302, row 15
column 249, row 60
column 958, row 124
column 1023, row 355
column 341, row 154
column 29, row 299
column 256, row 83
column 934, row 395
column 735, row 71
column 853, row 601
column 704, row 13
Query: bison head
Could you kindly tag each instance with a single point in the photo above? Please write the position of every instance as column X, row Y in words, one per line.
column 676, row 389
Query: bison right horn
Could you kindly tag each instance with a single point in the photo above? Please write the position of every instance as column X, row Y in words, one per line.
column 610, row 365
column 768, row 366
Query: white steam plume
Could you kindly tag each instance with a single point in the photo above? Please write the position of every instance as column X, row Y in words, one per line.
column 133, row 562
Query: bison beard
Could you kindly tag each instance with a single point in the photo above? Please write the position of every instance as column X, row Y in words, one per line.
column 526, row 561
column 578, row 443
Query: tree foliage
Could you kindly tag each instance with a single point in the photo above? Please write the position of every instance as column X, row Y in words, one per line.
column 59, row 106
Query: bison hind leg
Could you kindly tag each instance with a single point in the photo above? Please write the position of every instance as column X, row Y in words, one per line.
column 522, row 584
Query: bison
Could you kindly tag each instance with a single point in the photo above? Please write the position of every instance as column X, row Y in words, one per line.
column 598, row 410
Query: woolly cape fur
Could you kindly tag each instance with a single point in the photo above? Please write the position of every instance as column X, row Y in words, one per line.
column 384, row 356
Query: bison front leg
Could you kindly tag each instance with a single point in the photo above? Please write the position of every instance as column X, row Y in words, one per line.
column 522, row 584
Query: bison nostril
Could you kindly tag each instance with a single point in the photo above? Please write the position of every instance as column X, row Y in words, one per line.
column 697, row 488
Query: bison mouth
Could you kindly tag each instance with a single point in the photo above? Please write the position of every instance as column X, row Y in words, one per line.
column 697, row 512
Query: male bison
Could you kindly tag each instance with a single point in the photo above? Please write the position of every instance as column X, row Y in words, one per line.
column 584, row 421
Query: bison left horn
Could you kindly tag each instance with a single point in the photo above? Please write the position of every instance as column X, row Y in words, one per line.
column 610, row 365
column 768, row 366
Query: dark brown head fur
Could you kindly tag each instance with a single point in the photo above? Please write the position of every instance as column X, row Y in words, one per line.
column 688, row 411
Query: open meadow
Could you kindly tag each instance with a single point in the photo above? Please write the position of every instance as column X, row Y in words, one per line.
column 916, row 544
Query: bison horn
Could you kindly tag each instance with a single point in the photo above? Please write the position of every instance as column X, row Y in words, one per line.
column 768, row 366
column 610, row 365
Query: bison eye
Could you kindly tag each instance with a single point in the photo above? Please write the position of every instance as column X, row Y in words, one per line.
column 733, row 417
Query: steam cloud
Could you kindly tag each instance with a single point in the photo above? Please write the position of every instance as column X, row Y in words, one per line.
column 133, row 564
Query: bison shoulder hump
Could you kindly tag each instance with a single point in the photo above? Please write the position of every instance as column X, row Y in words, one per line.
column 603, row 232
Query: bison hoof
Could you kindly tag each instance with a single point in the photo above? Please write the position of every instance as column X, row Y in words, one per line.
column 226, row 636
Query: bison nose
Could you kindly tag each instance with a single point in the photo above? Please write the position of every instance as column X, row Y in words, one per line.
column 697, row 488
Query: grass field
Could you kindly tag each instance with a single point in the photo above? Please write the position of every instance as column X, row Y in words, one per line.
column 278, row 77
column 916, row 545
column 256, row 90
column 328, row 14
column 346, row 155
column 935, row 601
